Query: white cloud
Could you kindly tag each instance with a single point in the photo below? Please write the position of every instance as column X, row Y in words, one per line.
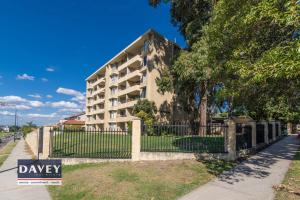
column 37, row 115
column 12, row 99
column 49, row 96
column 35, row 96
column 23, row 107
column 36, row 104
column 50, row 69
column 6, row 113
column 25, row 77
column 68, row 91
column 77, row 96
column 12, row 102
column 44, row 79
column 64, row 104
column 72, row 110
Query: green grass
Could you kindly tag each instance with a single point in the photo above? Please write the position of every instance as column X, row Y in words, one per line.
column 95, row 145
column 212, row 144
column 4, row 134
column 291, row 181
column 6, row 150
column 83, row 144
column 156, row 180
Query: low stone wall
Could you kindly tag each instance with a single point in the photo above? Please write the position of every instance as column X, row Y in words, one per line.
column 165, row 156
column 32, row 141
column 75, row 161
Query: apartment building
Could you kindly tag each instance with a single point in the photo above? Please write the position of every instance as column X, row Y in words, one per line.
column 115, row 87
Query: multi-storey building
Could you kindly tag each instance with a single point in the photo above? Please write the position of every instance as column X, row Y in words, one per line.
column 115, row 88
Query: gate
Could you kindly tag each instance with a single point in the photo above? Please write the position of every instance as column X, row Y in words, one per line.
column 260, row 133
column 81, row 143
column 243, row 137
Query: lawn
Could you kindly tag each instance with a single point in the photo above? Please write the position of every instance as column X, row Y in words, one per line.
column 291, row 182
column 4, row 134
column 110, row 145
column 151, row 180
column 5, row 151
column 92, row 145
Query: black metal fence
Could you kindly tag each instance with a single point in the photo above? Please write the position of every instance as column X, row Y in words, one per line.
column 270, row 131
column 183, row 137
column 243, row 136
column 79, row 143
column 260, row 133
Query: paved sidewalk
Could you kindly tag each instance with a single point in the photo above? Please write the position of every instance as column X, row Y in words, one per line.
column 252, row 179
column 9, row 190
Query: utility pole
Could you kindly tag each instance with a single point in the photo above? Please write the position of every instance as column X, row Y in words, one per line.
column 15, row 134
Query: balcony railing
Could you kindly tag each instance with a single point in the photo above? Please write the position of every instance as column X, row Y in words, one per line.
column 131, row 61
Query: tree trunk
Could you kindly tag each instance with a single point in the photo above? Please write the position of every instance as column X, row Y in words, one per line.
column 203, row 109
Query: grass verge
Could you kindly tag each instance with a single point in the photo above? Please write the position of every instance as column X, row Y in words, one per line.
column 290, row 187
column 5, row 151
column 153, row 180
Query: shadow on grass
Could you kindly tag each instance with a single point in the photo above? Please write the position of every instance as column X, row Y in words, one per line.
column 217, row 167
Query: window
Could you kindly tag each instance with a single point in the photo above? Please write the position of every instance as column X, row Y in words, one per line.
column 143, row 93
column 113, row 90
column 114, row 78
column 112, row 126
column 145, row 60
column 146, row 47
column 114, row 102
column 144, row 78
column 114, row 67
column 112, row 114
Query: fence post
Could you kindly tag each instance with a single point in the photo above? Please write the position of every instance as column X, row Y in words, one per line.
column 265, row 123
column 46, row 142
column 231, row 142
column 279, row 128
column 253, row 134
column 274, row 130
column 136, row 139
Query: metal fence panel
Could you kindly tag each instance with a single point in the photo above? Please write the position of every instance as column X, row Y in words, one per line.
column 183, row 137
column 260, row 133
column 80, row 143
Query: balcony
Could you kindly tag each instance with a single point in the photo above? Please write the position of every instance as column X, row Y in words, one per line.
column 133, row 60
column 129, row 103
column 99, row 91
column 124, row 118
column 131, row 75
column 94, row 121
column 98, row 81
column 135, row 88
column 99, row 111
column 98, row 101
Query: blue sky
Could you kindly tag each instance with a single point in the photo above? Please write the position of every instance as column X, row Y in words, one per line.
column 48, row 48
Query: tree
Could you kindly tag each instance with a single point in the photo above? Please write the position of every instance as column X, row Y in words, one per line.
column 189, row 16
column 27, row 128
column 255, row 53
column 145, row 110
column 190, row 74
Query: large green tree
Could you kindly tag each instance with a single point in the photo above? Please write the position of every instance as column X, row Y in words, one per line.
column 190, row 75
column 252, row 47
column 189, row 16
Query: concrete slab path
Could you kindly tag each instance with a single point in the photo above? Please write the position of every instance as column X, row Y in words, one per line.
column 9, row 190
column 252, row 179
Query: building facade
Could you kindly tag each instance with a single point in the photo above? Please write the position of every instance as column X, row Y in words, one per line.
column 115, row 88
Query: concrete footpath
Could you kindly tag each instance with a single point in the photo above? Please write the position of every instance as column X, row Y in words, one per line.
column 9, row 190
column 252, row 179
